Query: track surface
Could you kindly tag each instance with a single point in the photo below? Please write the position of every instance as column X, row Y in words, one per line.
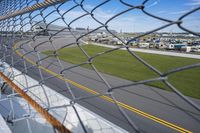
column 161, row 104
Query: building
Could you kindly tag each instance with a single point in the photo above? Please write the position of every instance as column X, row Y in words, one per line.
column 186, row 48
column 43, row 29
column 160, row 45
column 143, row 45
column 170, row 47
column 179, row 46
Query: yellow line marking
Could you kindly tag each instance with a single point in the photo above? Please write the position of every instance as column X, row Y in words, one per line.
column 139, row 112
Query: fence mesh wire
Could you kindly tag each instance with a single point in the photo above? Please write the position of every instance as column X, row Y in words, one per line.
column 29, row 29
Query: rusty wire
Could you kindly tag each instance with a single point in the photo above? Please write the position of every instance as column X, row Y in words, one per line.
column 55, row 123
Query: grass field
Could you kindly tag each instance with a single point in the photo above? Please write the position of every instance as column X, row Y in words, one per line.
column 121, row 64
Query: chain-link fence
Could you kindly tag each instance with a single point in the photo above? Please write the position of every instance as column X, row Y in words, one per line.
column 38, row 38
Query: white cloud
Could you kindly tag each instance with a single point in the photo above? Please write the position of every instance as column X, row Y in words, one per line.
column 88, row 7
column 126, row 23
column 178, row 12
column 161, row 12
column 153, row 4
column 193, row 3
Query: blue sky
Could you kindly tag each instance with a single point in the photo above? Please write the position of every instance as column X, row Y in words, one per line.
column 134, row 20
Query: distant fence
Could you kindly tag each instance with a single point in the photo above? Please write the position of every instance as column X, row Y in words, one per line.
column 30, row 27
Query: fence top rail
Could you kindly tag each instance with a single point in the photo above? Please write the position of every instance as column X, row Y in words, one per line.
column 32, row 8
